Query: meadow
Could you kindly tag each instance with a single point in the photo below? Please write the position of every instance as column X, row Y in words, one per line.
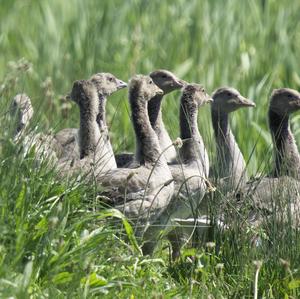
column 57, row 240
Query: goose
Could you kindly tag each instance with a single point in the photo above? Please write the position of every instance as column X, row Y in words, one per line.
column 144, row 192
column 45, row 146
column 230, row 168
column 106, row 85
column 189, row 171
column 22, row 109
column 278, row 195
column 283, row 103
column 91, row 144
column 167, row 82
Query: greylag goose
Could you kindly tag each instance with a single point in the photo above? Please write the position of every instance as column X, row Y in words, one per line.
column 144, row 192
column 85, row 94
column 45, row 146
column 167, row 82
column 189, row 173
column 230, row 166
column 106, row 85
column 278, row 195
column 22, row 109
column 283, row 103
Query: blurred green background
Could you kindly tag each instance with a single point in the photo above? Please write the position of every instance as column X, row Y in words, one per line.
column 251, row 45
column 56, row 241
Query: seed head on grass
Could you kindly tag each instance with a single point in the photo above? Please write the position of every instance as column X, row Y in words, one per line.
column 178, row 142
column 210, row 245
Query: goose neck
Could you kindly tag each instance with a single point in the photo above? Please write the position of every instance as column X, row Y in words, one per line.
column 147, row 145
column 154, row 112
column 88, row 130
column 193, row 148
column 229, row 159
column 188, row 120
column 287, row 158
column 101, row 116
column 220, row 124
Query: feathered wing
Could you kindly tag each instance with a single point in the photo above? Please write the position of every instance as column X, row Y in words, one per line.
column 139, row 191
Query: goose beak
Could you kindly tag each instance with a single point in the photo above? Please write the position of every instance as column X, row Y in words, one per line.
column 246, row 102
column 121, row 84
column 68, row 97
column 159, row 91
column 209, row 99
column 298, row 101
column 181, row 83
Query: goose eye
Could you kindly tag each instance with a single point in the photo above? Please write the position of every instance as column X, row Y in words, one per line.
column 164, row 76
column 202, row 89
column 290, row 96
column 228, row 94
column 150, row 82
column 110, row 79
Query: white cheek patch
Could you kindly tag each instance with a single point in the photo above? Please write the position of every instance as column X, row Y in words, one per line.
column 231, row 101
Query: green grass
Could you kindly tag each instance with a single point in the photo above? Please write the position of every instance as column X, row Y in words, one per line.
column 56, row 241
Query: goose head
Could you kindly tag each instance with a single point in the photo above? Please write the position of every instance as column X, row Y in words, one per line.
column 166, row 81
column 107, row 83
column 143, row 85
column 195, row 96
column 84, row 94
column 228, row 99
column 22, row 109
column 285, row 101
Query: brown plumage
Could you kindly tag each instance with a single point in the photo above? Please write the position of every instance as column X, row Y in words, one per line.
column 106, row 84
column 45, row 145
column 277, row 196
column 141, row 193
column 167, row 82
column 189, row 172
column 229, row 169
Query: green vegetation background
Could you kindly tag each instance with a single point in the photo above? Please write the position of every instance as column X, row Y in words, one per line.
column 251, row 45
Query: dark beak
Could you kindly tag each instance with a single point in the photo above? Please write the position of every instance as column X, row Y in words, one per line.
column 181, row 83
column 209, row 99
column 246, row 102
column 121, row 84
column 298, row 101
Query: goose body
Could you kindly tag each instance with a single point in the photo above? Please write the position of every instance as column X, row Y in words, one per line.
column 189, row 172
column 68, row 139
column 279, row 194
column 45, row 146
column 191, row 168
